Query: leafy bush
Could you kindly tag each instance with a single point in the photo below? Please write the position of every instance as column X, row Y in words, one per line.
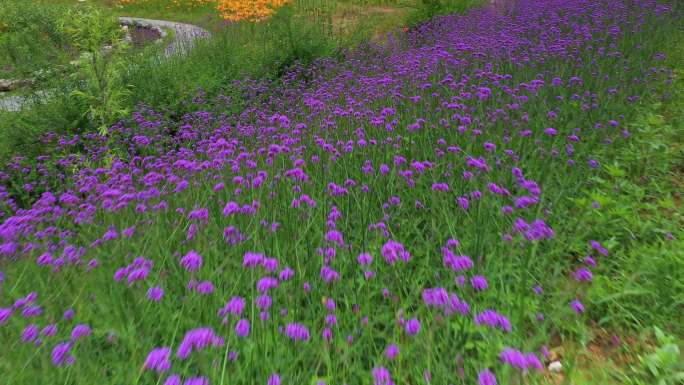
column 99, row 38
column 293, row 38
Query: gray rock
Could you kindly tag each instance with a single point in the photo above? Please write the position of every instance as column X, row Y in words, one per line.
column 13, row 84
column 555, row 366
column 12, row 103
column 15, row 103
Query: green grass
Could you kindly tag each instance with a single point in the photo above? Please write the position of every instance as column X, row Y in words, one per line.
column 204, row 16
column 641, row 206
column 640, row 196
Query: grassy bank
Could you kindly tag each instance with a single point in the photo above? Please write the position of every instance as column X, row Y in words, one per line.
column 636, row 203
column 299, row 33
column 640, row 199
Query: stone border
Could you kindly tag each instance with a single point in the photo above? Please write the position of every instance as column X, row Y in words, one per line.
column 183, row 39
column 184, row 34
column 7, row 85
column 142, row 23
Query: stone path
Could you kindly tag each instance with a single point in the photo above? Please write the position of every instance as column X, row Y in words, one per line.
column 184, row 38
column 184, row 34
column 12, row 103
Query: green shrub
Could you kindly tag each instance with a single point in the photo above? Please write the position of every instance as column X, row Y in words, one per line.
column 663, row 366
column 295, row 36
column 100, row 40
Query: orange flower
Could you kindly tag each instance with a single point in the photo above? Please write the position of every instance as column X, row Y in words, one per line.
column 251, row 10
column 232, row 10
column 171, row 3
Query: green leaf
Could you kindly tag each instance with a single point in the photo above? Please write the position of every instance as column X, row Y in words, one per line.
column 615, row 171
column 655, row 120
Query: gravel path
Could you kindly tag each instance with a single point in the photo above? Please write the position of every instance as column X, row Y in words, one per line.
column 12, row 103
column 184, row 37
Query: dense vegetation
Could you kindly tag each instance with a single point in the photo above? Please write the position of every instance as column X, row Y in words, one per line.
column 298, row 33
column 30, row 40
column 448, row 207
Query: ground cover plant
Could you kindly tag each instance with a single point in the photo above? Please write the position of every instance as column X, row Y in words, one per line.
column 635, row 201
column 401, row 213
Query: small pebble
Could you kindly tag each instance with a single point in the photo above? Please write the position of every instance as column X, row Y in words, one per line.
column 555, row 366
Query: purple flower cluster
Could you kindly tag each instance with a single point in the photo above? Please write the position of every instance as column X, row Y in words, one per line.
column 297, row 332
column 196, row 340
column 158, row 359
column 520, row 360
column 493, row 319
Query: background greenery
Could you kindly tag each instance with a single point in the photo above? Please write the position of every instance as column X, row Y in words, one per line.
column 299, row 33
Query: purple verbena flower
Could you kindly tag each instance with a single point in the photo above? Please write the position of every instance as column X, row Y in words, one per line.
column 393, row 251
column 364, row 259
column 486, row 377
column 192, row 261
column 598, row 247
column 274, row 379
column 456, row 262
column 30, row 333
column 155, row 293
column 196, row 381
column 520, row 360
column 577, row 306
column 5, row 314
column 196, row 340
column 493, row 319
column 479, row 283
column 583, row 275
column 412, row 327
column 392, row 351
column 79, row 331
column 61, row 354
column 242, row 328
column 158, row 360
column 297, row 332
column 173, row 379
column 381, row 376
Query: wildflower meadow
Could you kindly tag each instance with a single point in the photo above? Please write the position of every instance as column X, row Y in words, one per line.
column 403, row 212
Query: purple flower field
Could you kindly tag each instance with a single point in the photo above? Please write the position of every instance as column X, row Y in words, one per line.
column 398, row 216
